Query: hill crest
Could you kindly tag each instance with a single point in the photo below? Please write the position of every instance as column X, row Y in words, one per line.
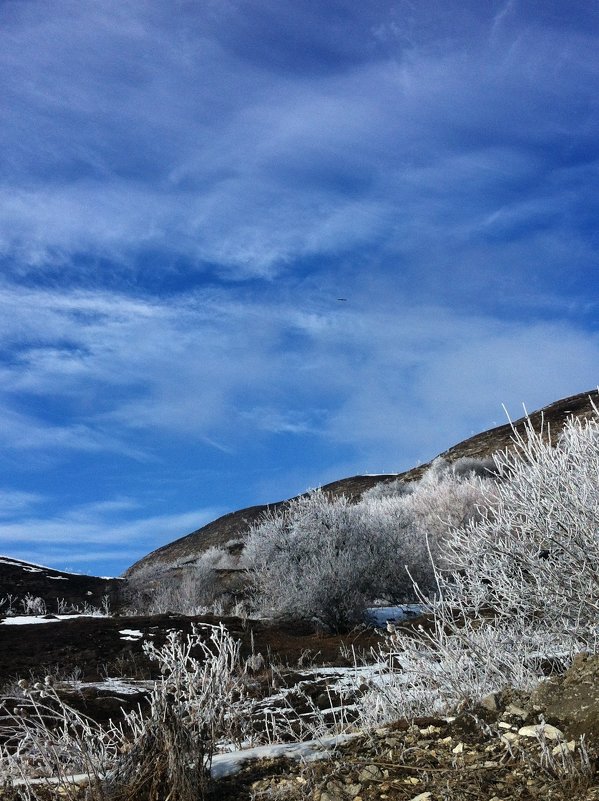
column 227, row 530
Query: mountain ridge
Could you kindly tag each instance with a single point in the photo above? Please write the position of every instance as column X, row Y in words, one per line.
column 228, row 529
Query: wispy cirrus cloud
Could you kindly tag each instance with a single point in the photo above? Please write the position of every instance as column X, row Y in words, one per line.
column 378, row 387
column 184, row 194
column 93, row 533
column 208, row 366
column 214, row 151
column 16, row 501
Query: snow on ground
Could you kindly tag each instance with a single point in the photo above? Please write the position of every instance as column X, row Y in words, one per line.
column 342, row 678
column 32, row 567
column 130, row 634
column 5, row 560
column 230, row 763
column 379, row 615
column 111, row 685
column 22, row 620
column 310, row 750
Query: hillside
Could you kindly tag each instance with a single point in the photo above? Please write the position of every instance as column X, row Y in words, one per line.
column 227, row 530
column 19, row 579
column 471, row 700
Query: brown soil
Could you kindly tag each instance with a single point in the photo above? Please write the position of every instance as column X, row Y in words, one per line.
column 92, row 647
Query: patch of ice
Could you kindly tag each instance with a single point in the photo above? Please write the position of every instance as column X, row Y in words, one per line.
column 120, row 686
column 130, row 634
column 22, row 620
column 57, row 578
column 309, row 751
column 379, row 615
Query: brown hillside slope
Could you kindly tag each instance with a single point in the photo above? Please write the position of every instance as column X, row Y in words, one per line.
column 230, row 527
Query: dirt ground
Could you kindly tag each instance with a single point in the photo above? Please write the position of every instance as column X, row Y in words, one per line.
column 511, row 746
column 92, row 648
column 499, row 752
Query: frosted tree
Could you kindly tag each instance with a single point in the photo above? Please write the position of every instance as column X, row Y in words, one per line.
column 523, row 589
column 325, row 560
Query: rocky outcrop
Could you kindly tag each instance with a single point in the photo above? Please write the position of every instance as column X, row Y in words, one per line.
column 571, row 700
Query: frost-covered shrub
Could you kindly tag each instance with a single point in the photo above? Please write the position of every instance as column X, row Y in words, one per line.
column 467, row 466
column 161, row 750
column 33, row 605
column 444, row 502
column 319, row 560
column 523, row 591
column 535, row 550
column 189, row 588
column 325, row 559
column 463, row 468
column 389, row 489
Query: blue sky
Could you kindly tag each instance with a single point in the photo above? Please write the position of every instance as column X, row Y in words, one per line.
column 188, row 188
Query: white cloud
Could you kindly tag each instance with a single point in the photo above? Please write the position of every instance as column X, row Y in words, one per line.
column 16, row 501
column 84, row 526
column 94, row 533
column 207, row 366
column 111, row 151
column 377, row 384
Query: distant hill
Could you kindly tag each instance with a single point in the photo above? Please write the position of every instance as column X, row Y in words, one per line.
column 226, row 531
column 19, row 579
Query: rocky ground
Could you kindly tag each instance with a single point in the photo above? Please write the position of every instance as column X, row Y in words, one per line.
column 530, row 747
column 511, row 745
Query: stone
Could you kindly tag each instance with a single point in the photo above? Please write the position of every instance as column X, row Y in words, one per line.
column 572, row 699
column 370, row 773
column 516, row 712
column 430, row 730
column 489, row 702
column 564, row 748
column 541, row 730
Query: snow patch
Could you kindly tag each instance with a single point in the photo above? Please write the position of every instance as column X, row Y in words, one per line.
column 22, row 620
column 6, row 560
column 230, row 763
column 113, row 685
column 130, row 634
column 310, row 750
